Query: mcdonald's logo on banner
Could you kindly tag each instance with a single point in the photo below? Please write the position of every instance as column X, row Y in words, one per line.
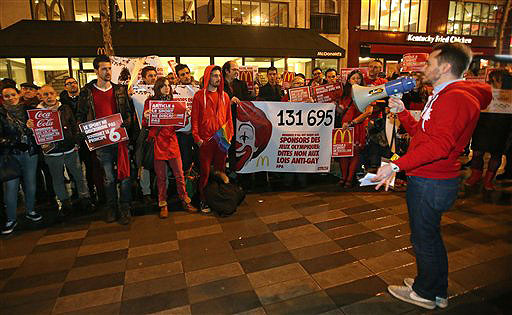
column 342, row 134
column 262, row 159
column 341, row 147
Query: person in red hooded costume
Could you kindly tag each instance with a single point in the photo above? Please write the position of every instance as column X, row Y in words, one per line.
column 432, row 167
column 211, row 111
column 167, row 152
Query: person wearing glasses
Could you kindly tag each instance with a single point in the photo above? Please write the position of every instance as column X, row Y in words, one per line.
column 70, row 94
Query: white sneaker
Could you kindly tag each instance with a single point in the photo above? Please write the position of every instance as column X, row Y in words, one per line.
column 406, row 294
column 440, row 302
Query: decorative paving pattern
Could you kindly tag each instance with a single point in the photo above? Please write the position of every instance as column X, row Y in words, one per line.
column 311, row 252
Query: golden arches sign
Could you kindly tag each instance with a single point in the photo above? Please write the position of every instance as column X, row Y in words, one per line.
column 342, row 134
column 262, row 159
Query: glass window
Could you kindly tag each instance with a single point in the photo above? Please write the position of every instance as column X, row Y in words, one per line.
column 415, row 10
column 476, row 12
column 265, row 13
column 384, row 14
column 423, row 16
column 374, row 15
column 364, row 14
column 279, row 64
column 235, row 12
column 226, row 11
column 196, row 65
column 50, row 71
column 13, row 68
column 260, row 62
column 283, row 15
column 274, row 14
column 93, row 10
column 325, row 64
column 246, row 12
column 300, row 65
column 395, row 15
column 485, row 13
column 220, row 61
column 468, row 11
column 404, row 9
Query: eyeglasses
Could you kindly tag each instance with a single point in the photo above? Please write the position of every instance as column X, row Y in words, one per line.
column 71, row 83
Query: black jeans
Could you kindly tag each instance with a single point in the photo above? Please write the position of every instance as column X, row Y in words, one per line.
column 427, row 199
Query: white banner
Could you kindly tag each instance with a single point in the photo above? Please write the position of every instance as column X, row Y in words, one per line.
column 284, row 137
column 127, row 71
column 185, row 93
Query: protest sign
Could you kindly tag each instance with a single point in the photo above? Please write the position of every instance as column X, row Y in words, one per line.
column 299, row 94
column 185, row 93
column 167, row 113
column 103, row 131
column 327, row 93
column 343, row 142
column 284, row 137
column 47, row 125
column 414, row 62
column 248, row 74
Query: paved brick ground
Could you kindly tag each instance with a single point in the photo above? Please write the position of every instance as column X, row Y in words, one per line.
column 323, row 250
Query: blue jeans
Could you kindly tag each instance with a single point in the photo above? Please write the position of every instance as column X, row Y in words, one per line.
column 72, row 163
column 108, row 158
column 427, row 199
column 28, row 165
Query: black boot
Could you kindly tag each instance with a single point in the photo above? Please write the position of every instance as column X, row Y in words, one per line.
column 65, row 210
column 124, row 214
column 111, row 213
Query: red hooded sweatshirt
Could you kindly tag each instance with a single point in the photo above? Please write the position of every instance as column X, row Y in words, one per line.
column 445, row 127
column 210, row 110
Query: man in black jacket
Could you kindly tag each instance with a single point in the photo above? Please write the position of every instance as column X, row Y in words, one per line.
column 63, row 153
column 70, row 94
column 100, row 98
column 271, row 91
column 237, row 91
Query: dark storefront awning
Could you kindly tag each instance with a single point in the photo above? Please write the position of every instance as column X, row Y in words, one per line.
column 77, row 39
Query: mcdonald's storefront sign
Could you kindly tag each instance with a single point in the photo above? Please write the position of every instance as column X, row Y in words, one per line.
column 100, row 51
column 340, row 146
column 262, row 160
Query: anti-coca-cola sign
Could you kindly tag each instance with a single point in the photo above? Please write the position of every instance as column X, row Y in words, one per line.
column 47, row 125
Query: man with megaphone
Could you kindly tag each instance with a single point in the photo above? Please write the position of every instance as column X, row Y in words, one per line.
column 431, row 164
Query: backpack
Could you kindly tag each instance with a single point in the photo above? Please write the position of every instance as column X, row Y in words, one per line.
column 222, row 196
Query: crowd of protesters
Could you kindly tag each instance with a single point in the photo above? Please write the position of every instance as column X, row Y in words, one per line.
column 46, row 169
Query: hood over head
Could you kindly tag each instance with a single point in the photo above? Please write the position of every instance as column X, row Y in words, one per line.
column 481, row 91
column 206, row 78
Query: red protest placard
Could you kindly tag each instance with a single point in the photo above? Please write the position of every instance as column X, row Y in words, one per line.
column 327, row 93
column 103, row 131
column 299, row 94
column 414, row 62
column 341, row 146
column 47, row 124
column 167, row 113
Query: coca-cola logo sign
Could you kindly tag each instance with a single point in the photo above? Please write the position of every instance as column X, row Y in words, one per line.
column 47, row 126
column 42, row 115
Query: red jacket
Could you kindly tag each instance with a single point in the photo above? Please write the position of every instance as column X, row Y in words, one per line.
column 210, row 116
column 166, row 143
column 444, row 130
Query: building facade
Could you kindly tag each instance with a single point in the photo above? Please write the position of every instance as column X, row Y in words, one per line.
column 44, row 40
column 386, row 29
